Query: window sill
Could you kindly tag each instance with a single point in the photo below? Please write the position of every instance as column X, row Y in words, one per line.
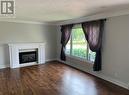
column 79, row 59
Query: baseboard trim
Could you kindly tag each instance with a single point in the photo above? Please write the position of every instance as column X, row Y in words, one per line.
column 114, row 81
column 107, row 78
column 49, row 60
column 2, row 66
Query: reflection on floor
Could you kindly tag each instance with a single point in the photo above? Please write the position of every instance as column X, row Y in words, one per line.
column 54, row 78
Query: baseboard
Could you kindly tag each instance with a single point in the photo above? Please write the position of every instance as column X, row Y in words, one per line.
column 114, row 81
column 7, row 65
column 107, row 78
column 49, row 60
column 2, row 66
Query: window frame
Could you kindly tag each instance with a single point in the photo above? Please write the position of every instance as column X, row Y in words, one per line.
column 70, row 55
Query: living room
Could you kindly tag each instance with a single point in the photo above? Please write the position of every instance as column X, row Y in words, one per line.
column 64, row 47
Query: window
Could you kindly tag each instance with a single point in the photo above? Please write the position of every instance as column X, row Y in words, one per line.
column 77, row 46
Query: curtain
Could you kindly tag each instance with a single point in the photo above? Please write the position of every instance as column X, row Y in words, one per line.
column 93, row 32
column 65, row 35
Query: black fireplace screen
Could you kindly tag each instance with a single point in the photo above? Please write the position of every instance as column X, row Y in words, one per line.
column 25, row 57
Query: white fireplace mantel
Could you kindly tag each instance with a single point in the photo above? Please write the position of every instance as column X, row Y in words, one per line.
column 15, row 48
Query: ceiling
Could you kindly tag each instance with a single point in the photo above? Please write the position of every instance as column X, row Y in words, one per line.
column 60, row 10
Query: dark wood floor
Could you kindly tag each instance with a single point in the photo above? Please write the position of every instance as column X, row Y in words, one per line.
column 54, row 78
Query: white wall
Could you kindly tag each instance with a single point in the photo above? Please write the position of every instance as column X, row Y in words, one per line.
column 115, row 53
column 11, row 32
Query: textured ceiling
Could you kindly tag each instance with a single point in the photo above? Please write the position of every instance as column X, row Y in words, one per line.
column 58, row 10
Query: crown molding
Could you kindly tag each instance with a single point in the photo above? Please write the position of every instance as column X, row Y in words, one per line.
column 25, row 21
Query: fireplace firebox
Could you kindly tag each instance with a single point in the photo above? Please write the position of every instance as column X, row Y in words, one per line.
column 26, row 57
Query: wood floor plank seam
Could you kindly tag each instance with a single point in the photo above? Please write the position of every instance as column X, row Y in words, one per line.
column 54, row 78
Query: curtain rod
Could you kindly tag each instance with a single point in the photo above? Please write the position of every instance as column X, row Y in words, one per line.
column 83, row 22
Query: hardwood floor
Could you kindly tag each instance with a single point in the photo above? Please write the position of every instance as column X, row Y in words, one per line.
column 54, row 78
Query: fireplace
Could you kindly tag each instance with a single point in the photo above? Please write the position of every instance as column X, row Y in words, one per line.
column 26, row 54
column 26, row 57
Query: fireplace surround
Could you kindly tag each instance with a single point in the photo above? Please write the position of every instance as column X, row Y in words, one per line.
column 34, row 53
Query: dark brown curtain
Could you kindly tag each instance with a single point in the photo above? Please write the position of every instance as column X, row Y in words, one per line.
column 93, row 32
column 65, row 35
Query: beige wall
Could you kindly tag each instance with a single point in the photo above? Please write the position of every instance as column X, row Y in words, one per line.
column 23, row 32
column 115, row 59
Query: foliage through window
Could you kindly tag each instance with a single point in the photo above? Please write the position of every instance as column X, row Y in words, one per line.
column 77, row 45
